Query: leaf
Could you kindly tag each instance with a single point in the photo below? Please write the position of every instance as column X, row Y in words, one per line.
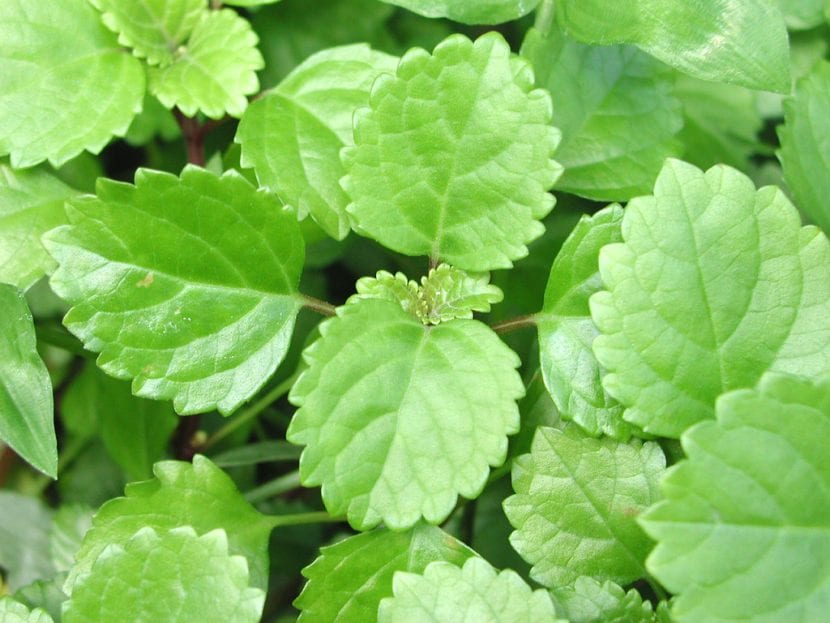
column 154, row 29
column 214, row 72
column 135, row 432
column 44, row 594
column 588, row 601
column 537, row 409
column 153, row 121
column 398, row 418
column 12, row 611
column 617, row 111
column 744, row 531
column 66, row 86
column 69, row 525
column 715, row 284
column 249, row 2
column 566, row 331
column 576, row 503
column 164, row 577
column 470, row 11
column 348, row 580
column 803, row 14
column 168, row 297
column 256, row 453
column 804, row 154
column 475, row 592
column 24, row 539
column 293, row 135
column 198, row 495
column 453, row 156
column 737, row 41
column 31, row 203
column 26, row 418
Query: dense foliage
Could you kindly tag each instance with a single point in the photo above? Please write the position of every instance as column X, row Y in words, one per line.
column 271, row 276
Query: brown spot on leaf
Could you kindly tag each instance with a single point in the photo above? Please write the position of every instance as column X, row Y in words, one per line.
column 147, row 281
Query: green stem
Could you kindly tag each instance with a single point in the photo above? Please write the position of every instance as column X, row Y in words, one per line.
column 498, row 474
column 278, row 486
column 251, row 412
column 297, row 519
column 321, row 307
column 520, row 322
column 545, row 13
column 55, row 335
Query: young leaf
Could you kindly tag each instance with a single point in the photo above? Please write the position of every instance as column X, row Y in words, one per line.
column 571, row 371
column 617, row 111
column 804, row 154
column 349, row 578
column 166, row 576
column 470, row 11
column 66, row 86
column 12, row 611
column 214, row 72
column 399, row 418
column 154, row 29
column 576, row 503
column 475, row 592
column 715, row 284
column 292, row 137
column 588, row 601
column 198, row 495
column 187, row 285
column 744, row 531
column 24, row 539
column 26, row 417
column 737, row 41
column 452, row 159
column 134, row 431
column 31, row 203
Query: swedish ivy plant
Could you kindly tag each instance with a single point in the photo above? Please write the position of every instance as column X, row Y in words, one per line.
column 399, row 311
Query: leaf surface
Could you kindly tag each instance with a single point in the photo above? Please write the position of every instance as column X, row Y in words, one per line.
column 215, row 70
column 12, row 611
column 293, row 135
column 588, row 601
column 26, row 416
column 805, row 154
column 617, row 111
column 398, row 419
column 715, row 284
column 69, row 525
column 182, row 494
column 744, row 531
column 576, row 503
column 348, row 580
column 186, row 285
column 66, row 86
column 166, row 577
column 737, row 41
column 566, row 331
column 470, row 11
column 24, row 539
column 452, row 158
column 445, row 593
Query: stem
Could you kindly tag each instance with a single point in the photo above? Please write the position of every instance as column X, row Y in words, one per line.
column 55, row 335
column 278, row 486
column 321, row 307
column 519, row 322
column 194, row 137
column 251, row 412
column 303, row 518
column 544, row 16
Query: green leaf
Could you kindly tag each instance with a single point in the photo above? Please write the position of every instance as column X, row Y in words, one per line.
column 292, row 137
column 153, row 121
column 576, row 503
column 24, row 539
column 803, row 14
column 249, row 2
column 804, row 154
column 31, row 203
column 715, row 284
column 616, row 108
column 537, row 409
column 12, row 611
column 182, row 494
column 26, row 417
column 348, row 580
column 135, row 432
column 721, row 123
column 399, row 418
column 187, row 285
column 44, row 594
column 744, row 531
column 470, row 11
column 66, row 86
column 255, row 453
column 475, row 592
column 737, row 41
column 588, row 601
column 167, row 577
column 69, row 525
column 452, row 159
column 154, row 29
column 571, row 371
column 214, row 72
